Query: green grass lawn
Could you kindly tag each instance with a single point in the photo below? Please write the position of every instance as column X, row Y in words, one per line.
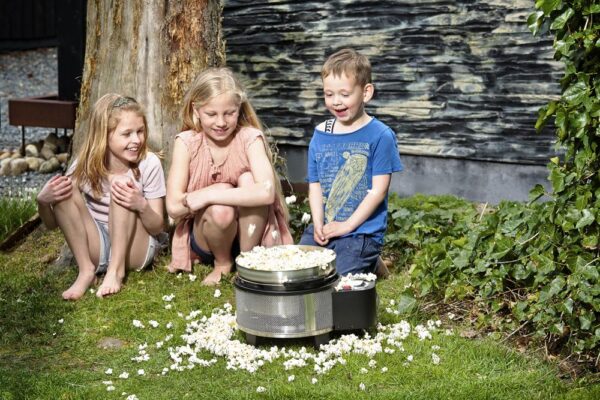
column 49, row 348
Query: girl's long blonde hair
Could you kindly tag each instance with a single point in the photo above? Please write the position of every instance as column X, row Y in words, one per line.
column 211, row 83
column 92, row 160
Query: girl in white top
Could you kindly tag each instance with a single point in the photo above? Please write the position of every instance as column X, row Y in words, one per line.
column 110, row 203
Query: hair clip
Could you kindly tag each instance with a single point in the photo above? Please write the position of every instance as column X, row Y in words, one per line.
column 123, row 100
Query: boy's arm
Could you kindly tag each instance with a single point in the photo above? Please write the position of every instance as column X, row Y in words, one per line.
column 315, row 199
column 379, row 188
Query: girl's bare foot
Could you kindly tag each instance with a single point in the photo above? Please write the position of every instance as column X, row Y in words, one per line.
column 81, row 284
column 110, row 285
column 214, row 278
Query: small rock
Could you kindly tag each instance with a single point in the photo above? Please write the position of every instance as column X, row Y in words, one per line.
column 62, row 157
column 5, row 166
column 34, row 163
column 31, row 151
column 18, row 166
column 110, row 343
column 47, row 259
column 469, row 334
column 15, row 154
column 49, row 166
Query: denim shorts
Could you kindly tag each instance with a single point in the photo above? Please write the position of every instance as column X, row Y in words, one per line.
column 153, row 247
column 353, row 254
column 206, row 257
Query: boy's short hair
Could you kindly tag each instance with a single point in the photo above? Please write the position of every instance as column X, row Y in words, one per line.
column 349, row 62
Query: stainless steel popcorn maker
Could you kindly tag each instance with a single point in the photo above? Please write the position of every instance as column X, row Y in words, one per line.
column 301, row 303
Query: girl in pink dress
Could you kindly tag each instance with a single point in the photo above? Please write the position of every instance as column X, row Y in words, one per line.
column 222, row 188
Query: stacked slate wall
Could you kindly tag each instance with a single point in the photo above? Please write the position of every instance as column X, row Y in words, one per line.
column 454, row 79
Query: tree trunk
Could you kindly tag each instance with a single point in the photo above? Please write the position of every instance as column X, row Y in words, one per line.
column 150, row 50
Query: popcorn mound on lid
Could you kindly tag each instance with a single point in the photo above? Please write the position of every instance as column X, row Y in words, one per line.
column 284, row 258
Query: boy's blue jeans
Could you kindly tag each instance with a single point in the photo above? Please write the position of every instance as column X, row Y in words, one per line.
column 353, row 254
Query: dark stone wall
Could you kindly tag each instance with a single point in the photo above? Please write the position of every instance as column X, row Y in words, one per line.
column 454, row 79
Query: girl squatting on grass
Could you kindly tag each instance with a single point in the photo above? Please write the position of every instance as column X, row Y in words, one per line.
column 109, row 205
column 222, row 187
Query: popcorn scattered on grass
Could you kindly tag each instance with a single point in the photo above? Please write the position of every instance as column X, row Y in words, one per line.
column 108, row 371
column 169, row 325
column 153, row 323
column 384, row 369
column 124, row 375
column 362, row 386
column 169, row 297
column 314, row 381
column 192, row 277
column 261, row 389
column 138, row 324
column 92, row 291
column 110, row 388
column 291, row 378
column 451, row 316
column 217, row 293
column 435, row 359
column 435, row 347
column 60, row 321
column 132, row 397
column 141, row 372
column 168, row 306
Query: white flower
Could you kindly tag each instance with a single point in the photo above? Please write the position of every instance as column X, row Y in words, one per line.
column 217, row 293
column 141, row 372
column 138, row 324
column 384, row 369
column 261, row 389
column 314, row 381
column 451, row 316
column 363, row 371
column 168, row 306
column 435, row 359
column 362, row 386
column 60, row 321
column 110, row 388
column 305, row 218
column 171, row 296
column 108, row 371
column 107, row 382
column 290, row 200
column 169, row 325
column 154, row 323
column 372, row 363
column 124, row 375
column 291, row 378
column 435, row 347
column 409, row 358
column 132, row 397
column 192, row 277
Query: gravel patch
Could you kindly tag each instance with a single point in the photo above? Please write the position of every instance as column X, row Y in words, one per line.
column 25, row 74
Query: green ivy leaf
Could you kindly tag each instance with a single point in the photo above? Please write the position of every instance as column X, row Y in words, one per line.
column 547, row 6
column 558, row 180
column 576, row 93
column 591, row 9
column 406, row 303
column 587, row 219
column 562, row 19
column 534, row 22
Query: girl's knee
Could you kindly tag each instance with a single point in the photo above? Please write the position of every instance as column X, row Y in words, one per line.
column 220, row 216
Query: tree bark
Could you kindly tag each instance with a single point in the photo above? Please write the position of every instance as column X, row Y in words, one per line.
column 150, row 50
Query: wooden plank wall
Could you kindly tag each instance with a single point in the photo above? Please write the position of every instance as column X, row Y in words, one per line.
column 26, row 24
column 453, row 78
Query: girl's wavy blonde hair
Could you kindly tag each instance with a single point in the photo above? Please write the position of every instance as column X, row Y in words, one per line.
column 92, row 160
column 214, row 82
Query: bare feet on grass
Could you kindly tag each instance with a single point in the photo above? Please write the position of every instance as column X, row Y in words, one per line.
column 110, row 285
column 81, row 284
column 214, row 278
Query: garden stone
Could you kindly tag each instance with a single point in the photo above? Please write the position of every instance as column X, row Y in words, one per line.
column 31, row 150
column 49, row 166
column 50, row 147
column 15, row 154
column 34, row 163
column 62, row 157
column 62, row 144
column 18, row 166
column 5, row 166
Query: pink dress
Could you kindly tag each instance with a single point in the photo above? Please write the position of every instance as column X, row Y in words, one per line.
column 203, row 173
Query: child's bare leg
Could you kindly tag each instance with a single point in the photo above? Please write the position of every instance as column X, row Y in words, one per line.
column 128, row 244
column 216, row 229
column 252, row 220
column 83, row 240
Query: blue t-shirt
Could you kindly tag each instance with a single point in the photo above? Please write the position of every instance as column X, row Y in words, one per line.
column 344, row 165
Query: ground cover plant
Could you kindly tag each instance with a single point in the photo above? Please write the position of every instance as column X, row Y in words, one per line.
column 119, row 347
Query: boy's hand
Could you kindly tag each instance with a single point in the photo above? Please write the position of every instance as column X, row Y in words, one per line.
column 319, row 236
column 336, row 229
column 57, row 189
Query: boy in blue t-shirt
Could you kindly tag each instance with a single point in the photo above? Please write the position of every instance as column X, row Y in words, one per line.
column 351, row 159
